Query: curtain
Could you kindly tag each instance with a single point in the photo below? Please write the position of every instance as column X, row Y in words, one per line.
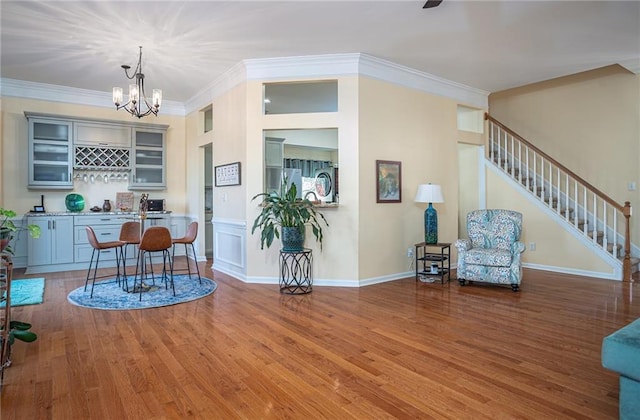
column 307, row 166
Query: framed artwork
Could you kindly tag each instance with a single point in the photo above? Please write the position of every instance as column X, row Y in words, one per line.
column 227, row 175
column 388, row 181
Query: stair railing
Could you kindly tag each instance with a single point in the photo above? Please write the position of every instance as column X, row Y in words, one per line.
column 596, row 215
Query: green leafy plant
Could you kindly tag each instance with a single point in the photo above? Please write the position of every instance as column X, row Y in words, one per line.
column 7, row 227
column 17, row 331
column 284, row 209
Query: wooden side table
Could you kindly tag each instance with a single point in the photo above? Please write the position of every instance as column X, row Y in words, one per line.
column 296, row 272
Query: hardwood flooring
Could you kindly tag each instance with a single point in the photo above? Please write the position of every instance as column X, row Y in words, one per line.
column 395, row 350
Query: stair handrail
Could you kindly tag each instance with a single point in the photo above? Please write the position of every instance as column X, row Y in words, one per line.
column 624, row 209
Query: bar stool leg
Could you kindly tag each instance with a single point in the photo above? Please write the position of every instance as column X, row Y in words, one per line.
column 193, row 249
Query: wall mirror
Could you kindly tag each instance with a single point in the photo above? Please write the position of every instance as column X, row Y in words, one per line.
column 306, row 157
column 301, row 97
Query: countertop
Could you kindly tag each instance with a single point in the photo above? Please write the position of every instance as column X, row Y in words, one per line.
column 96, row 213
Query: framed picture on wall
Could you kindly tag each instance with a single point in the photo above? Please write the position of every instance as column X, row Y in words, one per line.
column 227, row 175
column 388, row 181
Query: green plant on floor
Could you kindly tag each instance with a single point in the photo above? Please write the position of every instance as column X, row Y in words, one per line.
column 284, row 209
column 7, row 227
column 17, row 331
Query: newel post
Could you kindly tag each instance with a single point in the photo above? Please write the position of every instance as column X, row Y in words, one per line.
column 626, row 262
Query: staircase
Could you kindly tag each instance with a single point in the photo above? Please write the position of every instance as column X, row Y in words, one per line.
column 580, row 205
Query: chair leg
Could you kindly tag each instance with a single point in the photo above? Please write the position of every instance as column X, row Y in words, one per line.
column 140, row 270
column 193, row 249
column 173, row 285
column 123, row 253
column 86, row 282
column 95, row 270
column 186, row 253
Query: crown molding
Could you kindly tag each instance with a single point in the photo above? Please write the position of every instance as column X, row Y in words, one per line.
column 358, row 64
column 227, row 81
column 280, row 68
column 388, row 71
column 70, row 95
column 633, row 65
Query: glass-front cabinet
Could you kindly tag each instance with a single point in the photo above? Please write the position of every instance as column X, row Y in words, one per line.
column 50, row 154
column 149, row 160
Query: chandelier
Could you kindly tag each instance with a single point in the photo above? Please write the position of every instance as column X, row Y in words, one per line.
column 137, row 95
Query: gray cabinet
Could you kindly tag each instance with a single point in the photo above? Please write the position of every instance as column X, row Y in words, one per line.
column 102, row 134
column 273, row 163
column 148, row 160
column 50, row 154
column 106, row 227
column 54, row 246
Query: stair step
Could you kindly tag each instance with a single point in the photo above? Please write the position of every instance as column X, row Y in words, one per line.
column 600, row 235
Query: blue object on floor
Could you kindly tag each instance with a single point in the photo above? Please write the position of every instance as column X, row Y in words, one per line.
column 25, row 292
column 621, row 353
column 109, row 295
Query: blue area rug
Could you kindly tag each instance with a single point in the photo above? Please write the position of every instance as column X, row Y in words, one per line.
column 25, row 292
column 109, row 295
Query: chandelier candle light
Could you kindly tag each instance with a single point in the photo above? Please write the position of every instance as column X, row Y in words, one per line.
column 429, row 193
column 136, row 94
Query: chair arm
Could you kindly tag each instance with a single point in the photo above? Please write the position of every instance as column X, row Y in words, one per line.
column 463, row 245
column 517, row 248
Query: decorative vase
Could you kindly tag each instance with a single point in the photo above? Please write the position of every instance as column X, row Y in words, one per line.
column 106, row 206
column 292, row 239
column 74, row 202
column 430, row 225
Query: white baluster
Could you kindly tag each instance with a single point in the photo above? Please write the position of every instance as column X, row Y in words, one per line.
column 604, row 225
column 584, row 207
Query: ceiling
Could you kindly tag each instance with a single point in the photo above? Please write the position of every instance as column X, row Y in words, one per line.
column 488, row 45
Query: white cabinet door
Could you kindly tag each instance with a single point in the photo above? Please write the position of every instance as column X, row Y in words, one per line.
column 39, row 249
column 55, row 244
column 62, row 240
column 50, row 154
column 149, row 160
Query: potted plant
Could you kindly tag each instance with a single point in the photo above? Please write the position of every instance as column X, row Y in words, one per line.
column 284, row 212
column 7, row 228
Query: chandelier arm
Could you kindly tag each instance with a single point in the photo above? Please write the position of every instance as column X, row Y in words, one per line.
column 135, row 107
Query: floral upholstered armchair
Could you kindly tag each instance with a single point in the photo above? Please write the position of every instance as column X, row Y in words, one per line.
column 492, row 252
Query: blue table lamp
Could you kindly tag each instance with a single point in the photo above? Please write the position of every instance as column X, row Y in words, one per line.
column 429, row 193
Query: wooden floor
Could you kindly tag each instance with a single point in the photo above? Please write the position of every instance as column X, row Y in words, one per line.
column 395, row 350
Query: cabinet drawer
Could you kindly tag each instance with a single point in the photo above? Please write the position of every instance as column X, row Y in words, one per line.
column 83, row 254
column 103, row 233
column 98, row 220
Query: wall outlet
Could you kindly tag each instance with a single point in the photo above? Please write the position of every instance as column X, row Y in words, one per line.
column 409, row 252
column 532, row 246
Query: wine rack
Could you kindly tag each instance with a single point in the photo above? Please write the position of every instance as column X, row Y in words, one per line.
column 87, row 157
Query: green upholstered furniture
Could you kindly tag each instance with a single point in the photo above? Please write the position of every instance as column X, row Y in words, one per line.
column 621, row 353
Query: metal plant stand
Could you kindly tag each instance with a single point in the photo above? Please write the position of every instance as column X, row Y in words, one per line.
column 296, row 272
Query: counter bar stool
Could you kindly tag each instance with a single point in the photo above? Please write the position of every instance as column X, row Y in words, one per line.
column 129, row 235
column 188, row 239
column 98, row 248
column 154, row 239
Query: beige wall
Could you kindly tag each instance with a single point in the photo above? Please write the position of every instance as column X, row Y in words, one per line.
column 469, row 186
column 555, row 246
column 419, row 130
column 14, row 193
column 337, row 259
column 590, row 122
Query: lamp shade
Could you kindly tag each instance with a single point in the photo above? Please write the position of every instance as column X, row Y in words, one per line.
column 429, row 193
